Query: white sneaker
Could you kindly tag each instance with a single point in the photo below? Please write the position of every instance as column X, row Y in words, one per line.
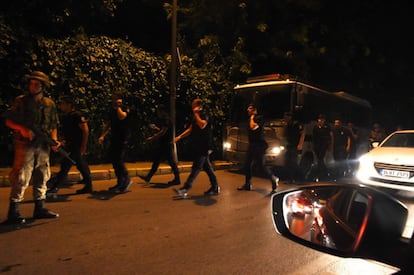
column 125, row 187
column 182, row 192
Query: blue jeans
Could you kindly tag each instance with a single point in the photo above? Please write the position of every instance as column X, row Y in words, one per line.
column 201, row 162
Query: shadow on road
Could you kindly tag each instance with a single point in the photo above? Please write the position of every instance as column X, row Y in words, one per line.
column 201, row 200
column 6, row 227
column 157, row 185
column 104, row 195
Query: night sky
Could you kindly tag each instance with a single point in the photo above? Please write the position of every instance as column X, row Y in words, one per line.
column 375, row 34
column 360, row 47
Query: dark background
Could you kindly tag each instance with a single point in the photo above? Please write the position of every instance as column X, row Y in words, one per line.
column 361, row 47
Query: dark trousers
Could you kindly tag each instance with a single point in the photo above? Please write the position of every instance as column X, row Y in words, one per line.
column 291, row 164
column 164, row 153
column 321, row 170
column 256, row 157
column 341, row 162
column 117, row 154
column 65, row 166
column 201, row 163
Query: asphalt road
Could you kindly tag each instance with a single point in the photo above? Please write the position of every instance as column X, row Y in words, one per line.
column 148, row 231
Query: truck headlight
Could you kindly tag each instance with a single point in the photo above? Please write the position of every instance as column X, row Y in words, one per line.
column 227, row 146
column 277, row 150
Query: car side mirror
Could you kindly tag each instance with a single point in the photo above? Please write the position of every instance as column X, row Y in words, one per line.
column 340, row 219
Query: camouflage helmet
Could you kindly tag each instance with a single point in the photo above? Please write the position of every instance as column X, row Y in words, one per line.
column 38, row 75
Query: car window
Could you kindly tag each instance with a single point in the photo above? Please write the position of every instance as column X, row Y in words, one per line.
column 350, row 207
column 357, row 211
column 341, row 203
column 400, row 140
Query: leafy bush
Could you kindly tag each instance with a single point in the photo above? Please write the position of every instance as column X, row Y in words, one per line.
column 91, row 68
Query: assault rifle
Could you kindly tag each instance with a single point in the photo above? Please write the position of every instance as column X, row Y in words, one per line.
column 42, row 137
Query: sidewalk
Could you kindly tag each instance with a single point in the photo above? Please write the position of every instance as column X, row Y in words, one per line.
column 106, row 172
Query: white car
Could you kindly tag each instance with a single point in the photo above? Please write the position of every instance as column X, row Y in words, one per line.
column 390, row 164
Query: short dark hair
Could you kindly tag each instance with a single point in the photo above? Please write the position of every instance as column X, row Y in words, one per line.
column 198, row 102
column 67, row 99
column 117, row 95
column 251, row 105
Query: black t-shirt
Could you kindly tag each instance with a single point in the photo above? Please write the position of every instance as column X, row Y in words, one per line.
column 201, row 138
column 119, row 128
column 293, row 133
column 341, row 135
column 256, row 136
column 70, row 128
column 354, row 140
column 165, row 122
column 321, row 136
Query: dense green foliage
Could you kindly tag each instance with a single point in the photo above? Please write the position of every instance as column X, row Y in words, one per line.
column 91, row 68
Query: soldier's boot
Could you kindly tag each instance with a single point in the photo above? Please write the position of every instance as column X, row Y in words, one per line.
column 41, row 212
column 14, row 216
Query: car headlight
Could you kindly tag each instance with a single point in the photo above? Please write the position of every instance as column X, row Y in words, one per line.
column 365, row 163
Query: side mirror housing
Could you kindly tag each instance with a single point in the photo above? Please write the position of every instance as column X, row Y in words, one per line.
column 375, row 144
column 341, row 219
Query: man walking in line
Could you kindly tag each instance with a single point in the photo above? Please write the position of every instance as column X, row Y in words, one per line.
column 164, row 148
column 341, row 148
column 75, row 132
column 200, row 130
column 295, row 137
column 322, row 143
column 256, row 150
column 119, row 129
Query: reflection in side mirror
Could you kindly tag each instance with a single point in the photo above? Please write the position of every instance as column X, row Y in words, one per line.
column 346, row 220
column 332, row 217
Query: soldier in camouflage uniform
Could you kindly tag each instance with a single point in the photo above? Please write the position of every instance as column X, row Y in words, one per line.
column 31, row 156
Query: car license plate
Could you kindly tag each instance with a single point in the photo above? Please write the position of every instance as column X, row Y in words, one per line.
column 395, row 173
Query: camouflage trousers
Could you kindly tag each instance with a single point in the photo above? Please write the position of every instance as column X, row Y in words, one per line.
column 31, row 166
